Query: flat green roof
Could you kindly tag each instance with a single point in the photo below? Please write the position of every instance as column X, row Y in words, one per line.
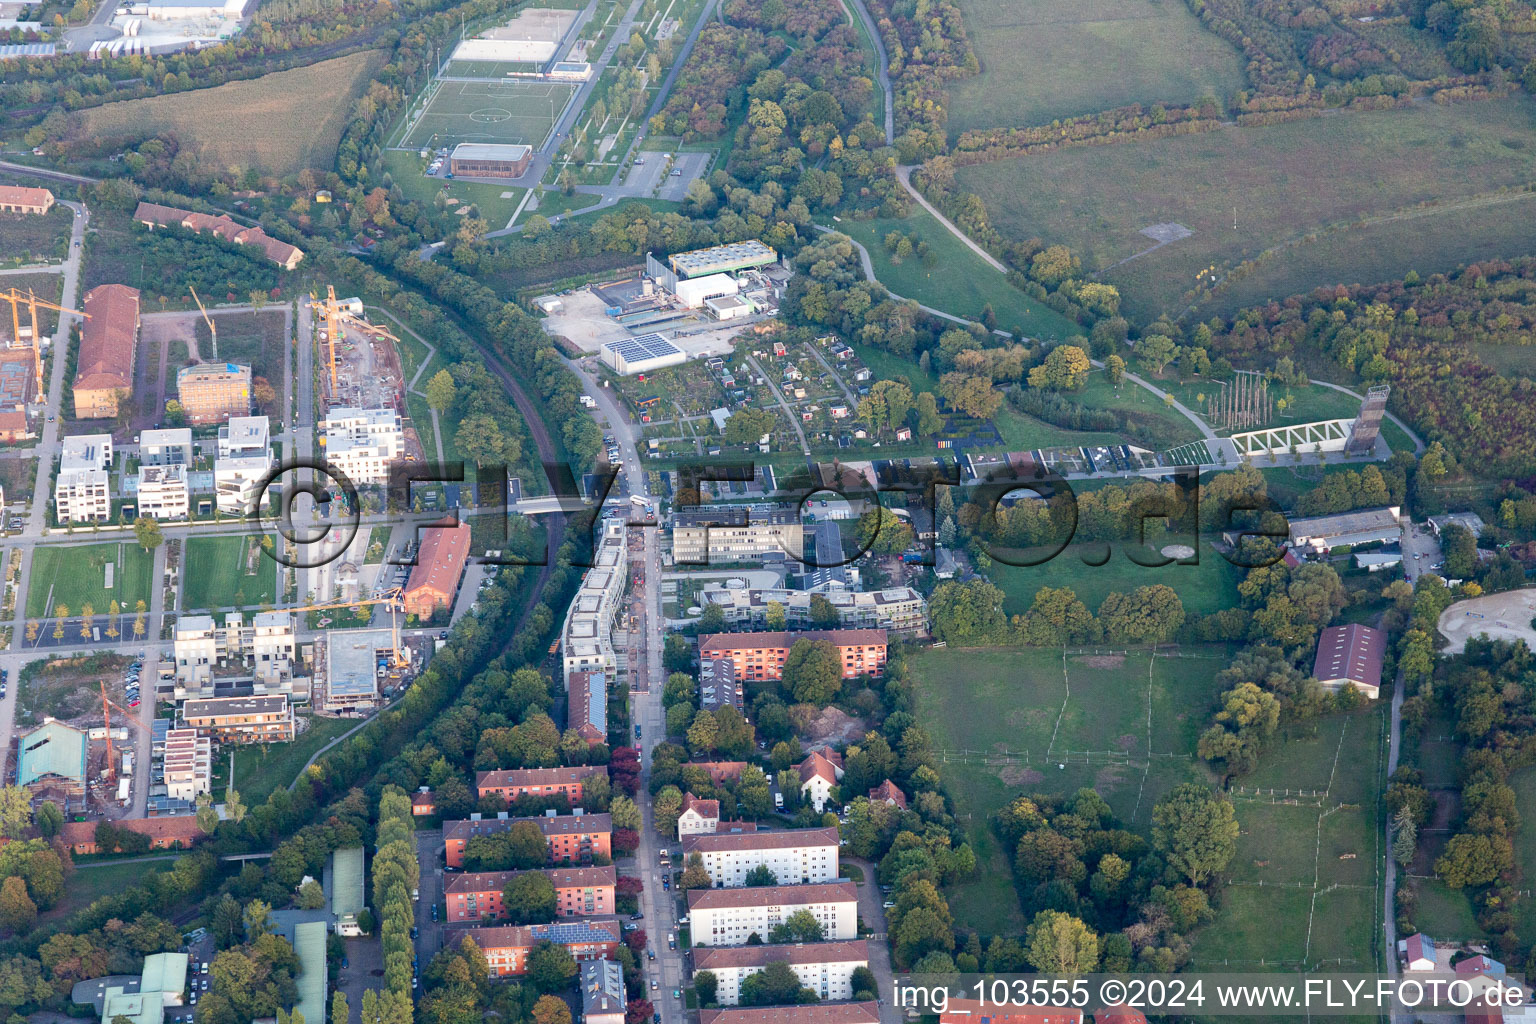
column 53, row 748
column 347, row 881
column 165, row 972
column 309, row 943
column 139, row 1007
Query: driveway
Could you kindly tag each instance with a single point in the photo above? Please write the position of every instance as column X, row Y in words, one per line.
column 429, row 854
column 872, row 914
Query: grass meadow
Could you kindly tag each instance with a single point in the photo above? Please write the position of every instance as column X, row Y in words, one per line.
column 263, row 767
column 1098, row 199
column 219, row 575
column 255, row 339
column 1207, row 587
column 25, row 237
column 75, row 575
column 1042, row 60
column 278, row 123
column 409, row 172
column 1097, row 716
column 953, row 278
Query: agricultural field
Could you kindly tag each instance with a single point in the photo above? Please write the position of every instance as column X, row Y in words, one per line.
column 1305, row 882
column 1020, row 721
column 952, row 278
column 75, row 576
column 227, row 572
column 278, row 124
column 1207, row 587
column 1041, row 60
column 25, row 238
column 256, row 339
column 1380, row 163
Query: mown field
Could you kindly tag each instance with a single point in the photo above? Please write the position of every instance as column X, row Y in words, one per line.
column 74, row 576
column 278, row 124
column 1042, row 60
column 1064, row 723
column 219, row 574
column 1375, row 164
column 1204, row 588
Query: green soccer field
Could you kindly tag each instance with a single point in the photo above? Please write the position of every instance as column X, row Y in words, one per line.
column 499, row 112
column 488, row 69
column 76, row 576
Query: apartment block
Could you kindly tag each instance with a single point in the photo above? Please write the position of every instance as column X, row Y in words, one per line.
column 241, row 719
column 81, row 491
column 586, row 641
column 708, row 534
column 572, row 837
column 825, row 968
column 507, row 948
column 243, row 463
column 808, row 1013
column 172, row 447
column 895, row 609
column 362, row 443
column 794, row 856
column 730, row 917
column 268, row 645
column 579, row 892
column 188, row 764
column 538, row 782
column 718, row 686
column 762, row 655
column 162, row 492
column 214, row 392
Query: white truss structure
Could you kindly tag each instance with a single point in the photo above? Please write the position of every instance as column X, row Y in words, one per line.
column 1305, row 438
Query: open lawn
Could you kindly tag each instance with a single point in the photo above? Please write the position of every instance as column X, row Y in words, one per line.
column 75, row 575
column 1099, row 199
column 227, row 572
column 1304, row 884
column 1014, row 721
column 951, row 277
column 93, row 880
column 1292, row 404
column 26, row 238
column 1042, row 60
column 1151, row 422
column 262, row 768
column 1207, row 587
column 278, row 123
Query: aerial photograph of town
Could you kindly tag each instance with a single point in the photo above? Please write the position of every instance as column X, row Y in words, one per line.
column 767, row 511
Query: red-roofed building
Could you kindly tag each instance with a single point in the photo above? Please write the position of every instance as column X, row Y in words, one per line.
column 720, row 772
column 762, row 655
column 18, row 199
column 579, row 892
column 541, row 782
column 698, row 817
column 1119, row 1015
column 973, row 1011
column 818, row 777
column 439, row 566
column 108, row 345
column 507, row 948
column 889, row 793
column 809, row 1013
column 14, row 425
column 1350, row 655
column 173, row 832
column 422, row 803
column 572, row 838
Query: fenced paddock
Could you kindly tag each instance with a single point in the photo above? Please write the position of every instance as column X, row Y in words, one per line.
column 505, row 112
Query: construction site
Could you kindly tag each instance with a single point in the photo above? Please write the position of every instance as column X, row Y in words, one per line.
column 21, row 361
column 359, row 363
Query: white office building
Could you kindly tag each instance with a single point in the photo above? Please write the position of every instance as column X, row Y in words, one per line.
column 730, row 917
column 362, row 443
column 172, row 447
column 81, row 491
column 163, row 492
column 825, row 968
column 243, row 463
column 796, row 856
column 586, row 640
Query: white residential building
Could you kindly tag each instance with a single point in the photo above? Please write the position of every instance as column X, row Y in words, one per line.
column 269, row 643
column 163, row 492
column 825, row 968
column 81, row 491
column 172, row 447
column 243, row 463
column 794, row 856
column 362, row 443
column 730, row 917
column 197, row 644
column 898, row 609
column 586, row 643
column 736, row 533
column 188, row 764
column 699, row 817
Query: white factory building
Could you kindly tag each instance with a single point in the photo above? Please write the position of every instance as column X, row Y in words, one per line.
column 795, row 856
column 825, row 968
column 243, row 462
column 641, row 354
column 80, row 491
column 586, row 640
column 173, row 10
column 730, row 917
column 362, row 443
column 692, row 292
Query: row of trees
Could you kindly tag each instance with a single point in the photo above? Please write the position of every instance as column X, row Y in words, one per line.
column 396, row 874
column 970, row 613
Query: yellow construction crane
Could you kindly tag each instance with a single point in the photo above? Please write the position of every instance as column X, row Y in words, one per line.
column 31, row 301
column 397, row 659
column 213, row 332
column 106, row 721
column 333, row 316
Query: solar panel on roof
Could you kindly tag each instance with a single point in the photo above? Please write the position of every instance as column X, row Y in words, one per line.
column 645, row 346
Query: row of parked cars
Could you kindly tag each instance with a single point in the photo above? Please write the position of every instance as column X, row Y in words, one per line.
column 131, row 682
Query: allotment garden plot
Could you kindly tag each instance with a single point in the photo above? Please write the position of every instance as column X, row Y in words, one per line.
column 506, row 113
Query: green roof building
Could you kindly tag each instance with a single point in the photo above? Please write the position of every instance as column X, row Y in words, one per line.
column 52, row 753
column 309, row 943
column 161, row 984
column 346, row 889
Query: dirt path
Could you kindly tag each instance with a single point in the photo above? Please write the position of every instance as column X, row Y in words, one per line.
column 904, row 175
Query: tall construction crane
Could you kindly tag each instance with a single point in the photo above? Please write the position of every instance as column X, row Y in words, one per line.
column 213, row 331
column 31, row 301
column 106, row 719
column 334, row 312
column 391, row 598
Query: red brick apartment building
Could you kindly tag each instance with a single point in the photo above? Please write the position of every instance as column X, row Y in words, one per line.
column 507, row 948
column 571, row 837
column 579, row 892
column 762, row 655
column 540, row 782
column 808, row 1013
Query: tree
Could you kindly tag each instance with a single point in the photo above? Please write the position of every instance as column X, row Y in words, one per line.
column 801, row 926
column 234, row 807
column 15, row 812
column 17, row 911
column 695, row 875
column 529, row 898
column 1059, row 943
column 761, row 875
column 48, row 819
column 972, row 394
column 311, row 896
column 1197, row 830
column 746, row 426
column 702, row 733
column 705, row 985
column 481, row 438
column 665, row 810
column 1115, row 367
column 813, row 672
column 1405, row 836
column 339, row 1009
column 624, row 813
column 1065, row 369
column 550, row 967
column 774, row 616
column 551, row 1010
column 823, row 613
column 1473, row 860
column 1155, row 351
column 441, row 391
column 776, row 984
column 147, row 532
column 883, row 532
column 207, row 817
